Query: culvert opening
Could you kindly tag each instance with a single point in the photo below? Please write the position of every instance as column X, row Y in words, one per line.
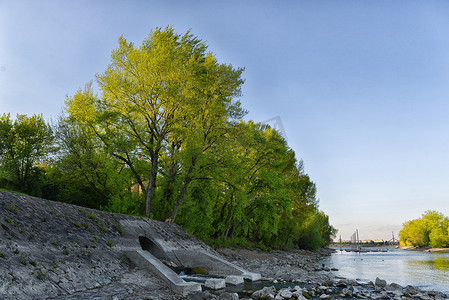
column 150, row 246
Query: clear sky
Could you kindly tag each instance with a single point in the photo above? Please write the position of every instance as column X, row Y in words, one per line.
column 361, row 87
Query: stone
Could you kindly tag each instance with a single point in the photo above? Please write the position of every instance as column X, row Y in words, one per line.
column 198, row 295
column 380, row 283
column 410, row 290
column 215, row 283
column 296, row 288
column 299, row 296
column 342, row 283
column 264, row 293
column 229, row 296
column 394, row 286
column 234, row 279
column 285, row 293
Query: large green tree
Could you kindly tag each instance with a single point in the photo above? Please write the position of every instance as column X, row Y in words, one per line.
column 24, row 144
column 164, row 137
column 166, row 96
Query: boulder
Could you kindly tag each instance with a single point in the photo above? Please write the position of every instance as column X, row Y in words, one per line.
column 342, row 283
column 380, row 283
column 285, row 293
column 411, row 290
column 229, row 296
column 198, row 295
column 264, row 293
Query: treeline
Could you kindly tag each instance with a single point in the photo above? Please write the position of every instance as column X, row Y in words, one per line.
column 432, row 229
column 165, row 139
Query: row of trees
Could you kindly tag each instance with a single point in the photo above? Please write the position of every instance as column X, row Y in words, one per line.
column 432, row 229
column 165, row 138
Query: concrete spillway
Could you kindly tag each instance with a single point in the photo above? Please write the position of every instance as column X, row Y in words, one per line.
column 147, row 261
column 213, row 264
column 153, row 246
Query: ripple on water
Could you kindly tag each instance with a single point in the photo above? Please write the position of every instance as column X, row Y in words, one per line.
column 429, row 271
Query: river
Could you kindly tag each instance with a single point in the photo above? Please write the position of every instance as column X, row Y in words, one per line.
column 428, row 271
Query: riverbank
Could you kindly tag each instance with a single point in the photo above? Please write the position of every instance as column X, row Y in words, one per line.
column 425, row 249
column 51, row 250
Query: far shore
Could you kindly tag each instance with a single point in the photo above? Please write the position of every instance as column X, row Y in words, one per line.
column 424, row 249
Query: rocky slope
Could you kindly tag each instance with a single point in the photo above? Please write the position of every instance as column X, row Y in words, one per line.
column 55, row 250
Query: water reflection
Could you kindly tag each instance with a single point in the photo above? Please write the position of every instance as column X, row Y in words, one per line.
column 436, row 262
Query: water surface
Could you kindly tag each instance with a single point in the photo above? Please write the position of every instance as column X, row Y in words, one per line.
column 428, row 271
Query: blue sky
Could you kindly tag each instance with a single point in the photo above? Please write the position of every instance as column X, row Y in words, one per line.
column 361, row 87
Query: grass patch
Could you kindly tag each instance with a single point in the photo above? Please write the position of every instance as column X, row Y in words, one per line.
column 2, row 255
column 119, row 229
column 40, row 275
column 91, row 215
column 12, row 208
column 9, row 220
column 14, row 192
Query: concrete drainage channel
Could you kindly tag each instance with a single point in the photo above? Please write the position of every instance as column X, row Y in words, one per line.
column 158, row 253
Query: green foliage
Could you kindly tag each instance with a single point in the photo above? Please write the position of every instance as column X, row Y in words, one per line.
column 430, row 230
column 168, row 96
column 127, row 203
column 2, row 255
column 24, row 143
column 164, row 139
column 9, row 220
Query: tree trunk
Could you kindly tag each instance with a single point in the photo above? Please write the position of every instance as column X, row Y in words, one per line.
column 224, row 236
column 181, row 196
column 189, row 179
column 151, row 182
column 169, row 191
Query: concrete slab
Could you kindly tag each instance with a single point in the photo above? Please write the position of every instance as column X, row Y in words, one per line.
column 215, row 283
column 234, row 279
